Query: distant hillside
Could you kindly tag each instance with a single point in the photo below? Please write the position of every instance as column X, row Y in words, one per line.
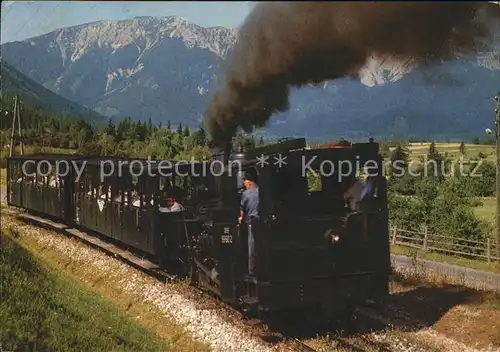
column 34, row 93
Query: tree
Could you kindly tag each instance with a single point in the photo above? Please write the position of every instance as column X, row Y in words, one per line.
column 461, row 186
column 244, row 143
column 110, row 129
column 399, row 161
column 405, row 185
column 435, row 163
column 186, row 132
column 462, row 148
column 140, row 131
column 150, row 126
column 483, row 180
column 200, row 137
column 454, row 218
column 427, row 190
column 179, row 129
column 405, row 212
column 106, row 143
column 433, row 154
column 401, row 181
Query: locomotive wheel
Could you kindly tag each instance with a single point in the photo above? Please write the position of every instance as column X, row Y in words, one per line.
column 345, row 318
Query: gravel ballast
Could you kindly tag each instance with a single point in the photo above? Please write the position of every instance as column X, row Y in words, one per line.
column 203, row 324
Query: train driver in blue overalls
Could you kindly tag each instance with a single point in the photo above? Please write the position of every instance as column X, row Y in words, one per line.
column 249, row 214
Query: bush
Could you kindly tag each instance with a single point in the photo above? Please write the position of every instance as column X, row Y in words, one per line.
column 484, row 184
column 445, row 208
column 405, row 212
column 427, row 189
column 404, row 185
column 460, row 186
column 466, row 227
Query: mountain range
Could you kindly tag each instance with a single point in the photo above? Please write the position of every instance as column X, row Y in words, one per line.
column 167, row 68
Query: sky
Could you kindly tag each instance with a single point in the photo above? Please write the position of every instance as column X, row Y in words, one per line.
column 27, row 19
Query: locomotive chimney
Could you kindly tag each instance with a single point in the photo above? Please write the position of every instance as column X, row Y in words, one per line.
column 222, row 154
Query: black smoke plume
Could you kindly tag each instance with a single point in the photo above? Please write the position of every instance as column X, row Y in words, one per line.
column 281, row 45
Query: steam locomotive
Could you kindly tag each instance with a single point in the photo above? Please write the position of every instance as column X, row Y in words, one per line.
column 312, row 252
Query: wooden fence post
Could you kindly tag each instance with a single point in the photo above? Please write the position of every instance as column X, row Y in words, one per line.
column 394, row 235
column 488, row 250
column 425, row 238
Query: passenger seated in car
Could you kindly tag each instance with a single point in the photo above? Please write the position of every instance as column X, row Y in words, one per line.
column 163, row 203
column 136, row 201
column 172, row 206
column 170, row 203
column 118, row 198
column 53, row 182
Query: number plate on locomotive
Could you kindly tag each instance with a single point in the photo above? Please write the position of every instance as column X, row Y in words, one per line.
column 226, row 239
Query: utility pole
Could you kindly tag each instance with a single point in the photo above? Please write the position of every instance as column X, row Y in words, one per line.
column 497, row 139
column 16, row 116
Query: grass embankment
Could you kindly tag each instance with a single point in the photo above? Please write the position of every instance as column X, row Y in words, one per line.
column 445, row 258
column 76, row 306
column 45, row 308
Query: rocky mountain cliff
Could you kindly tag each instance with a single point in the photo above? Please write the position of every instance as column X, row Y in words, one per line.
column 145, row 67
column 166, row 68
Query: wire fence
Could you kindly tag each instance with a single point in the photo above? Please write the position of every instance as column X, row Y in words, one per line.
column 481, row 250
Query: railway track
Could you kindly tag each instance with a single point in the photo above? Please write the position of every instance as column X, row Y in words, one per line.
column 260, row 328
column 300, row 346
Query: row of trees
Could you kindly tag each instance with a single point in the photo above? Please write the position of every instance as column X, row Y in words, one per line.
column 125, row 138
column 140, row 140
column 469, row 179
column 387, row 145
